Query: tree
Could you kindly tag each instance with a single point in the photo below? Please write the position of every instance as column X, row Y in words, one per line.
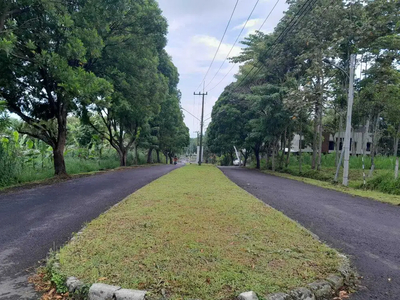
column 169, row 133
column 42, row 57
column 133, row 37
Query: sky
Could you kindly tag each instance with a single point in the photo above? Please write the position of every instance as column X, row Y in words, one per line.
column 195, row 30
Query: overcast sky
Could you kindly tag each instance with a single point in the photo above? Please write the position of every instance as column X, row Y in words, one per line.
column 195, row 30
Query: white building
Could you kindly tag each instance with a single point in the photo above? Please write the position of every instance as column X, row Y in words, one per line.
column 328, row 144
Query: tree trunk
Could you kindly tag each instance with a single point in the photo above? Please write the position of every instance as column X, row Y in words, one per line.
column 396, row 141
column 273, row 157
column 315, row 138
column 257, row 155
column 158, row 156
column 353, row 143
column 268, row 155
column 245, row 156
column 170, row 160
column 301, row 148
column 166, row 157
column 283, row 150
column 150, row 156
column 373, row 146
column 231, row 157
column 364, row 149
column 136, row 154
column 288, row 154
column 59, row 163
column 58, row 150
column 122, row 157
column 396, row 169
column 320, row 132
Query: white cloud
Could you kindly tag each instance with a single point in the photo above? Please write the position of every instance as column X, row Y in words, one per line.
column 195, row 30
column 195, row 56
column 252, row 23
column 210, row 45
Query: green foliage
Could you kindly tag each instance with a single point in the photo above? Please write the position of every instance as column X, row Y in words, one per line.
column 53, row 274
column 384, row 183
column 8, row 164
column 102, row 61
column 313, row 174
column 59, row 281
column 295, row 80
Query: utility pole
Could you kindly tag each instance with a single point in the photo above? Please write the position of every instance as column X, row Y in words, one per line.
column 201, row 125
column 348, row 122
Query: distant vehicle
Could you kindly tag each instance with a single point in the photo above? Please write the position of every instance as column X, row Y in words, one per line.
column 237, row 162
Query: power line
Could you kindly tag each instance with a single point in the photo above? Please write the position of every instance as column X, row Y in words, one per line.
column 262, row 25
column 233, row 46
column 302, row 12
column 190, row 113
column 220, row 43
column 265, row 21
column 222, row 78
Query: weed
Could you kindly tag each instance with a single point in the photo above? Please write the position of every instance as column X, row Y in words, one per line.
column 53, row 273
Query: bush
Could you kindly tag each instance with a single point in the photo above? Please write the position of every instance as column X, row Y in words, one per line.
column 313, row 174
column 384, row 183
column 8, row 166
column 224, row 160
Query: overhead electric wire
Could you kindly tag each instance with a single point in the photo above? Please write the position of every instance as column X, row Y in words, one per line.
column 266, row 19
column 190, row 113
column 233, row 46
column 220, row 43
column 222, row 79
column 262, row 25
column 302, row 11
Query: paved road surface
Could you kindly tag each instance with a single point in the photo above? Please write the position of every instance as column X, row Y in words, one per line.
column 367, row 230
column 35, row 220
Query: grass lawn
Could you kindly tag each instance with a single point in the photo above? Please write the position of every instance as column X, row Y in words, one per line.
column 195, row 234
column 374, row 195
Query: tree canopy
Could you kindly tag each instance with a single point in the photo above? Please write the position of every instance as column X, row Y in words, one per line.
column 101, row 61
column 288, row 84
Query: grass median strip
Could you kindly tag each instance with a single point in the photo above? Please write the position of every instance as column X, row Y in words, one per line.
column 195, row 234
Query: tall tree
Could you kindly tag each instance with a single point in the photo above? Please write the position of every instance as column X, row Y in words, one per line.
column 42, row 57
column 133, row 36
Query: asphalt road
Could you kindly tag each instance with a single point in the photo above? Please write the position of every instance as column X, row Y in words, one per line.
column 35, row 220
column 368, row 231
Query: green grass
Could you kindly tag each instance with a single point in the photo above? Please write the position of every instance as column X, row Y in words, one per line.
column 371, row 194
column 195, row 234
column 328, row 161
column 73, row 165
column 381, row 186
column 34, row 172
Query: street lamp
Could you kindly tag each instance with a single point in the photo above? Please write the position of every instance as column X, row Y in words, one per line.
column 346, row 146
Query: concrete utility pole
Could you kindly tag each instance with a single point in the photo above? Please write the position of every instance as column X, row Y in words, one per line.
column 346, row 142
column 201, row 126
column 348, row 122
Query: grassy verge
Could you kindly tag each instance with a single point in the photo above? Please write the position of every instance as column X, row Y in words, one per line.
column 195, row 234
column 53, row 180
column 374, row 195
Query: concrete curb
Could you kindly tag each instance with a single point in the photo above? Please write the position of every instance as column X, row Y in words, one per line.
column 326, row 289
column 101, row 291
column 320, row 290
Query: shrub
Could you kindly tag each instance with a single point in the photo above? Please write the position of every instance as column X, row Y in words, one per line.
column 8, row 166
column 384, row 183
